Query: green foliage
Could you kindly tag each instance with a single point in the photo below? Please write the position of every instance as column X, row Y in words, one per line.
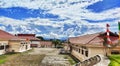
column 114, row 60
column 40, row 37
column 2, row 59
column 57, row 43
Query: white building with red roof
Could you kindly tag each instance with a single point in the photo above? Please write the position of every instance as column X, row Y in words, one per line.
column 34, row 42
column 9, row 43
column 86, row 46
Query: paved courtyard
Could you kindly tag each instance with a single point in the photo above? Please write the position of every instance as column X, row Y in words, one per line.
column 52, row 57
column 46, row 51
column 38, row 57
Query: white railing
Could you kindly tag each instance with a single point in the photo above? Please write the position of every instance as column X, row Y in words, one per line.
column 90, row 62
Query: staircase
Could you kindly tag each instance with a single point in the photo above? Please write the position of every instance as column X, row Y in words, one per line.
column 90, row 62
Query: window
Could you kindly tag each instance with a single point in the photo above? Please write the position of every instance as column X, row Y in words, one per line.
column 82, row 51
column 86, row 53
column 79, row 50
column 7, row 46
column 1, row 47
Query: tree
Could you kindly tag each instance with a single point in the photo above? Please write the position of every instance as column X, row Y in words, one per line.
column 40, row 37
column 57, row 43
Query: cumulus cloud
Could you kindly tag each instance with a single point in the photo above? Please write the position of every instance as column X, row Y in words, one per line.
column 74, row 11
column 57, row 29
column 44, row 4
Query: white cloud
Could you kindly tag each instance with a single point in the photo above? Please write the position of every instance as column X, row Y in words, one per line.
column 8, row 21
column 43, row 4
column 63, row 8
column 29, row 26
column 109, row 14
column 3, row 27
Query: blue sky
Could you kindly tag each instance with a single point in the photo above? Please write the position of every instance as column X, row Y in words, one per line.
column 104, row 5
column 59, row 19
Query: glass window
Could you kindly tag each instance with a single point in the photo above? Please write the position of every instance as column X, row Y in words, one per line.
column 7, row 46
column 82, row 51
column 86, row 53
column 79, row 50
column 1, row 47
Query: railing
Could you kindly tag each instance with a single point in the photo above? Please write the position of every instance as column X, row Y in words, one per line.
column 90, row 62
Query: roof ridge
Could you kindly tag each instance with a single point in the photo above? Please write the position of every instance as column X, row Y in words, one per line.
column 92, row 38
column 6, row 32
column 9, row 35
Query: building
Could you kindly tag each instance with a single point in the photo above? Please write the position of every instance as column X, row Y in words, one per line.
column 34, row 42
column 11, row 43
column 46, row 44
column 87, row 46
column 4, row 46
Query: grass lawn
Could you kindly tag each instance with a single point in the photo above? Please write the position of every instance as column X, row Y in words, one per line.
column 21, row 59
column 9, row 56
column 114, row 60
column 6, row 57
column 2, row 59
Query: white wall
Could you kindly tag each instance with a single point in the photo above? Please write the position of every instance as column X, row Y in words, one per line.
column 35, row 42
column 2, row 52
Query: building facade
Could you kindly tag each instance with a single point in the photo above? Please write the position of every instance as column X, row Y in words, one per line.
column 34, row 42
column 4, row 46
column 46, row 44
column 11, row 43
column 20, row 45
column 87, row 46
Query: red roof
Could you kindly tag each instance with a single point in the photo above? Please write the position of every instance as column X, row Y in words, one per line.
column 83, row 39
column 92, row 39
column 7, row 36
column 28, row 36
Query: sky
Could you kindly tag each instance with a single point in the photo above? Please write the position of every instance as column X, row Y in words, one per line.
column 59, row 18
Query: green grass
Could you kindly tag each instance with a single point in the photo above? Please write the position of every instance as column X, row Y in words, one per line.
column 8, row 56
column 2, row 59
column 114, row 60
column 72, row 62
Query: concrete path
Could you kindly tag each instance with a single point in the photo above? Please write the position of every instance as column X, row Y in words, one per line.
column 52, row 57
